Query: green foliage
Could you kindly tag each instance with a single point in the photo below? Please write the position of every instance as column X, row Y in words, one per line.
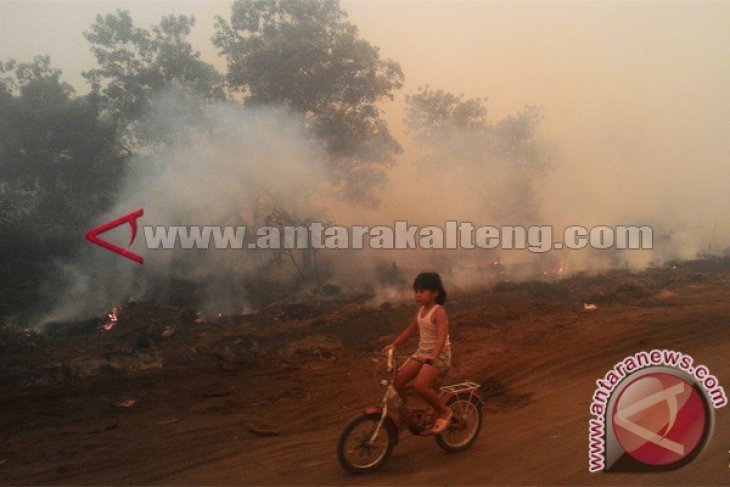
column 430, row 111
column 137, row 65
column 449, row 124
column 307, row 56
column 62, row 156
column 59, row 164
column 53, row 143
column 498, row 163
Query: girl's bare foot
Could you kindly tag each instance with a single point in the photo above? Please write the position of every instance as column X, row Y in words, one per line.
column 442, row 422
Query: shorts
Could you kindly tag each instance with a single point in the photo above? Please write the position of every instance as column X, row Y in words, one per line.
column 442, row 363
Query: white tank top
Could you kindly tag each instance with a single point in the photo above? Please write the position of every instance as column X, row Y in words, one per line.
column 428, row 331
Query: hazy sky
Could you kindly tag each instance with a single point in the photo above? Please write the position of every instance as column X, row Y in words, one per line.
column 635, row 95
column 546, row 53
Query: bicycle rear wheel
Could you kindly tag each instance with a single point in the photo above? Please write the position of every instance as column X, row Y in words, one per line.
column 355, row 452
column 465, row 425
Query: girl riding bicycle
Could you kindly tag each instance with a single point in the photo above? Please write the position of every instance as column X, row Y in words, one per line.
column 433, row 356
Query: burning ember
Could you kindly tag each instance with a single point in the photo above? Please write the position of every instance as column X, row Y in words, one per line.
column 111, row 319
column 558, row 272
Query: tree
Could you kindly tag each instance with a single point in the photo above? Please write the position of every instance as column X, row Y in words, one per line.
column 307, row 56
column 435, row 117
column 430, row 111
column 59, row 165
column 52, row 142
column 136, row 65
column 498, row 160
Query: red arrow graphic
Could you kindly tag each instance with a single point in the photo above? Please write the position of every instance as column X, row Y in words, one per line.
column 131, row 218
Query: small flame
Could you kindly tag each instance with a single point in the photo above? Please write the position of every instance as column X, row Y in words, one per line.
column 111, row 319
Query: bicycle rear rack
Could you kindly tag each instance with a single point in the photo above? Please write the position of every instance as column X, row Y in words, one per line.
column 460, row 387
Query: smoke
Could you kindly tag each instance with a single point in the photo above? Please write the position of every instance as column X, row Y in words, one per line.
column 216, row 164
column 635, row 106
column 486, row 176
column 224, row 164
column 612, row 173
column 633, row 132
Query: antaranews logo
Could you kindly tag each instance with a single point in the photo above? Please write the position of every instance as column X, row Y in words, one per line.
column 130, row 218
column 652, row 411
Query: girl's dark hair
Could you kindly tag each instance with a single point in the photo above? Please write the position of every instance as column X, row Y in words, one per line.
column 432, row 282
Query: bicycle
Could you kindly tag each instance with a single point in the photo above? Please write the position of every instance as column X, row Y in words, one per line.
column 368, row 439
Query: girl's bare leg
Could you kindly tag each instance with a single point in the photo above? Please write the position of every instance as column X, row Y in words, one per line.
column 406, row 374
column 423, row 387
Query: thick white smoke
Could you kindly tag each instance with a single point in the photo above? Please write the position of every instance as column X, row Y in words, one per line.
column 237, row 164
column 231, row 166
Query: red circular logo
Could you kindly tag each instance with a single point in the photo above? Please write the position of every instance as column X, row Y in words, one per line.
column 659, row 419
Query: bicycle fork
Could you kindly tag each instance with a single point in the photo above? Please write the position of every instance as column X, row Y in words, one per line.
column 383, row 414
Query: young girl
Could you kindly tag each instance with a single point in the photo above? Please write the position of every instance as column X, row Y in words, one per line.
column 433, row 356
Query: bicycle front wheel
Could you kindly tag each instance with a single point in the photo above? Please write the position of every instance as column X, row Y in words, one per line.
column 356, row 453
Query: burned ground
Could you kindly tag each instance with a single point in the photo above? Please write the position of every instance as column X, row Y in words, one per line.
column 169, row 397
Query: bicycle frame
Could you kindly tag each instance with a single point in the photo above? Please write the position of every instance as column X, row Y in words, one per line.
column 444, row 393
